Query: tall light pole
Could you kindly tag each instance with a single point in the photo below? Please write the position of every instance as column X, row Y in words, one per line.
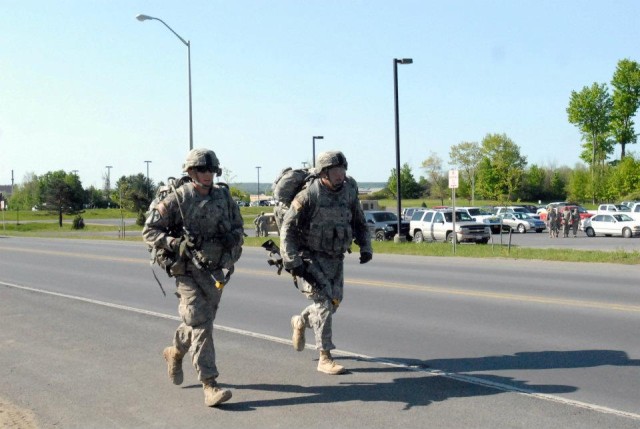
column 314, row 148
column 398, row 237
column 258, row 169
column 148, row 184
column 188, row 44
column 108, row 167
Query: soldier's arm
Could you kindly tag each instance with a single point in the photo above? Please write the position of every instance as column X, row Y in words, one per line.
column 237, row 224
column 291, row 236
column 360, row 229
column 160, row 224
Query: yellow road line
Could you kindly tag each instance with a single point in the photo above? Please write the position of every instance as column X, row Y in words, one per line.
column 385, row 285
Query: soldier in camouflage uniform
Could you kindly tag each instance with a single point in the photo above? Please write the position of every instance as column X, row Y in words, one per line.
column 258, row 222
column 199, row 229
column 575, row 221
column 316, row 232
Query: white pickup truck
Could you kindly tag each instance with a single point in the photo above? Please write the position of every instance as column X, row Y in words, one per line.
column 437, row 225
column 632, row 210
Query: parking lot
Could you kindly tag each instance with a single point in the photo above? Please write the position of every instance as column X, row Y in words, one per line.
column 581, row 242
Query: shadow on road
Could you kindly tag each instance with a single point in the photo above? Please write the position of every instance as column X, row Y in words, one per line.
column 412, row 391
column 526, row 360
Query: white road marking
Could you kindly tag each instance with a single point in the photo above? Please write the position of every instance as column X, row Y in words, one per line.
column 433, row 372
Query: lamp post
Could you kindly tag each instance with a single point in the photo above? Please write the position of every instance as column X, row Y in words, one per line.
column 314, row 148
column 108, row 167
column 304, row 164
column 258, row 169
column 148, row 184
column 398, row 238
column 188, row 44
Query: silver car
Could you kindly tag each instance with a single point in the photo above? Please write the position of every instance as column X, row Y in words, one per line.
column 522, row 222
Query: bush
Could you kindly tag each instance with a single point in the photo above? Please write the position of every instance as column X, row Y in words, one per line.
column 78, row 222
column 141, row 218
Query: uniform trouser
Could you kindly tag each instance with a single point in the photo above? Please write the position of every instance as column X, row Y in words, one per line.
column 318, row 316
column 566, row 227
column 575, row 228
column 199, row 299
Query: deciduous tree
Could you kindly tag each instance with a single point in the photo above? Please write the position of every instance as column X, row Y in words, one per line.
column 626, row 99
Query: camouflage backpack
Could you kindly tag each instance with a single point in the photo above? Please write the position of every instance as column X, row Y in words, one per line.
column 163, row 257
column 286, row 186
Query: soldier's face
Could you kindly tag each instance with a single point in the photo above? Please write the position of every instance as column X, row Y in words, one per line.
column 202, row 177
column 335, row 178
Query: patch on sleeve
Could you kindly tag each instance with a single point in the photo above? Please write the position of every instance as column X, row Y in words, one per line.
column 296, row 205
column 162, row 209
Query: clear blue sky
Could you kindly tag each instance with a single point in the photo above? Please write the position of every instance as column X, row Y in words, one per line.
column 84, row 85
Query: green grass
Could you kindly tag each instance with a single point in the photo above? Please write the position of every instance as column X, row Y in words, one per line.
column 28, row 228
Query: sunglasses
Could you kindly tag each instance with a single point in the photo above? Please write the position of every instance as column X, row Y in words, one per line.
column 204, row 169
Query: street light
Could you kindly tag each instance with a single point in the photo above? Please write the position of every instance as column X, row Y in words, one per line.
column 148, row 184
column 314, row 148
column 108, row 167
column 188, row 44
column 398, row 238
column 258, row 168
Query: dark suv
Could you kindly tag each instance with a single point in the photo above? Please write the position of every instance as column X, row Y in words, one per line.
column 383, row 225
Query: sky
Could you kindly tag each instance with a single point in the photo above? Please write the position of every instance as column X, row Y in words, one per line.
column 84, row 85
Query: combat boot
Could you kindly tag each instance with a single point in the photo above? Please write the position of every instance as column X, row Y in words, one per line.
column 327, row 365
column 298, row 327
column 214, row 395
column 174, row 364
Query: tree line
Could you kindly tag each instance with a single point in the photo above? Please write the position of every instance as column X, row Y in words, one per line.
column 494, row 169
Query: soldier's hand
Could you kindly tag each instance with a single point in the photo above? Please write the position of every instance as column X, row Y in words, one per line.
column 182, row 247
column 365, row 257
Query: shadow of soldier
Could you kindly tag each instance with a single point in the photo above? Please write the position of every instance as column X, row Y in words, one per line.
column 525, row 360
column 415, row 390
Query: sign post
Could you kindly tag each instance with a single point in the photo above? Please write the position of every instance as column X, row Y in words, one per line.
column 453, row 185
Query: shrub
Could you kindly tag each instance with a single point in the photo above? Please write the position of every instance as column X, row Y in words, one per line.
column 78, row 222
column 141, row 218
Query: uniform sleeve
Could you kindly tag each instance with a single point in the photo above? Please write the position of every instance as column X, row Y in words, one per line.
column 161, row 224
column 237, row 223
column 291, row 236
column 360, row 229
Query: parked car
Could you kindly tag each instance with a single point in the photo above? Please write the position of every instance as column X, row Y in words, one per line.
column 561, row 208
column 611, row 224
column 531, row 209
column 409, row 211
column 485, row 216
column 383, row 225
column 437, row 225
column 522, row 222
column 608, row 208
column 272, row 226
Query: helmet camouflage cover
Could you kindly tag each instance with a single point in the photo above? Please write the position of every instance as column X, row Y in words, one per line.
column 330, row 159
column 201, row 158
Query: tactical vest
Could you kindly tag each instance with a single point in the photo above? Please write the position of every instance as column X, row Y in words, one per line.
column 208, row 219
column 331, row 217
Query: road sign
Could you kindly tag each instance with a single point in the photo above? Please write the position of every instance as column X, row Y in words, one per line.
column 453, row 179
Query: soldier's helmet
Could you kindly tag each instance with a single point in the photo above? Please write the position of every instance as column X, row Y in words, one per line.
column 202, row 158
column 330, row 159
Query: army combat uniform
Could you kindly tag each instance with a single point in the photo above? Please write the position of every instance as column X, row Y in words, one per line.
column 215, row 235
column 316, row 232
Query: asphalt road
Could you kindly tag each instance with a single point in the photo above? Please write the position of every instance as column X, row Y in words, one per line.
column 442, row 342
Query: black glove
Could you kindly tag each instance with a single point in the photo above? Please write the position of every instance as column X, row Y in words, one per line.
column 297, row 271
column 182, row 247
column 365, row 257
